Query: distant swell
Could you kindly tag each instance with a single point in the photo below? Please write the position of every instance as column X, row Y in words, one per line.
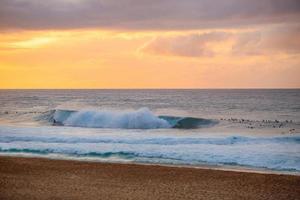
column 140, row 119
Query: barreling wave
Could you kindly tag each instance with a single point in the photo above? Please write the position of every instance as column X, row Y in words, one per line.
column 140, row 119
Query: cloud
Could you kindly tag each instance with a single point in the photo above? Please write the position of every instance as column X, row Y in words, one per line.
column 266, row 41
column 144, row 14
column 281, row 39
column 190, row 45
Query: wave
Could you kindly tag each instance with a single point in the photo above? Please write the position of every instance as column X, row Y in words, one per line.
column 162, row 155
column 232, row 140
column 140, row 119
column 279, row 153
column 123, row 155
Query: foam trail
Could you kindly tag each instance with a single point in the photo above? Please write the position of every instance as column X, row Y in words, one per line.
column 277, row 153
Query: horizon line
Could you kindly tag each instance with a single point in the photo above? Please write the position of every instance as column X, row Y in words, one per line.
column 250, row 88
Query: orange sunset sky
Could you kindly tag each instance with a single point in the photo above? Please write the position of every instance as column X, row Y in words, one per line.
column 150, row 44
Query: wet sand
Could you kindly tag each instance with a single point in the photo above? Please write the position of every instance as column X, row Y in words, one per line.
column 36, row 178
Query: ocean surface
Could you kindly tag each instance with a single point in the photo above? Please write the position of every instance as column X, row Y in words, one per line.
column 257, row 129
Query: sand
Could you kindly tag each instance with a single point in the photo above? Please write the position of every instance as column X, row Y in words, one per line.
column 37, row 178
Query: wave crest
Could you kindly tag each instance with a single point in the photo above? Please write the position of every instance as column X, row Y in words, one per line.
column 140, row 119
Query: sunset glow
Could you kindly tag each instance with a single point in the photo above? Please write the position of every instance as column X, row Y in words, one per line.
column 243, row 54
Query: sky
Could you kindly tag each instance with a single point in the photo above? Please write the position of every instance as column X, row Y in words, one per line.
column 149, row 44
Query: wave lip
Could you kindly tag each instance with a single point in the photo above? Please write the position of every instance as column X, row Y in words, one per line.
column 140, row 119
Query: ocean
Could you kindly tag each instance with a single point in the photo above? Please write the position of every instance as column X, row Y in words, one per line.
column 250, row 128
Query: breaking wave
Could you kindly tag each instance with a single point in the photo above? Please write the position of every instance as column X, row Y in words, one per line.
column 140, row 119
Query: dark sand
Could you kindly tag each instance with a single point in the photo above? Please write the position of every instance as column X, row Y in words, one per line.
column 35, row 178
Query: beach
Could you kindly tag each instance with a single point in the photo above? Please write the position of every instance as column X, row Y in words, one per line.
column 147, row 100
column 39, row 178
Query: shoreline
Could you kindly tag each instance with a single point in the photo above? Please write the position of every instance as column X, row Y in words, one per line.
column 225, row 168
column 42, row 178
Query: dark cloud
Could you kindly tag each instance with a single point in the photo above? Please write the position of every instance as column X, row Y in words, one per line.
column 144, row 14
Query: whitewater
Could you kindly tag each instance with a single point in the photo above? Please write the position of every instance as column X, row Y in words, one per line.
column 238, row 128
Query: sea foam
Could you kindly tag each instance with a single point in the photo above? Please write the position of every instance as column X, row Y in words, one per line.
column 277, row 153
